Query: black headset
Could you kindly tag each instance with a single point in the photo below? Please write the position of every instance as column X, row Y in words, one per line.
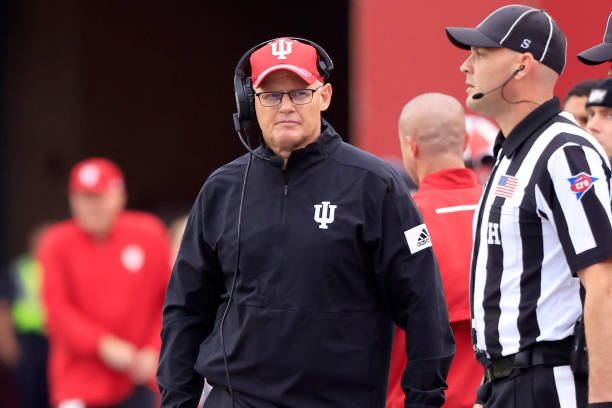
column 243, row 87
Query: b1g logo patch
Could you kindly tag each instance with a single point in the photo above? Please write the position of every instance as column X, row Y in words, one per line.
column 581, row 183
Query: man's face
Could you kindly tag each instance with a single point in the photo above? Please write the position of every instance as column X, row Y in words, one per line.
column 610, row 70
column 485, row 69
column 287, row 127
column 576, row 105
column 599, row 125
column 96, row 213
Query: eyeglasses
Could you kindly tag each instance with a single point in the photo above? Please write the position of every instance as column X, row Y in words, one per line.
column 297, row 97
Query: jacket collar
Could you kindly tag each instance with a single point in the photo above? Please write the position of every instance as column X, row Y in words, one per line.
column 448, row 179
column 526, row 127
column 325, row 145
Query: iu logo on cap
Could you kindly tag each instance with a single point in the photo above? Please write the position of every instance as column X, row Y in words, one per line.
column 281, row 48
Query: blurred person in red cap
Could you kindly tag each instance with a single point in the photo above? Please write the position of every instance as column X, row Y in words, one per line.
column 599, row 112
column 480, row 135
column 602, row 52
column 432, row 133
column 106, row 271
column 542, row 227
column 296, row 260
column 576, row 99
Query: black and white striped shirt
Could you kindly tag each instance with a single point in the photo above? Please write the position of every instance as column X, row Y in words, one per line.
column 544, row 215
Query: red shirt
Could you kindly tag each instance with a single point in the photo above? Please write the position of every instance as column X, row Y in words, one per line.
column 447, row 200
column 92, row 288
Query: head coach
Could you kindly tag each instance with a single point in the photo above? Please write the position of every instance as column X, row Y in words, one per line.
column 543, row 225
column 297, row 259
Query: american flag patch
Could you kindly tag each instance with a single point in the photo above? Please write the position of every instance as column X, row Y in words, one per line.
column 506, row 186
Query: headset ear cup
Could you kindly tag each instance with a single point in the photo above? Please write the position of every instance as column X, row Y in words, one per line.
column 242, row 106
column 250, row 97
column 244, row 99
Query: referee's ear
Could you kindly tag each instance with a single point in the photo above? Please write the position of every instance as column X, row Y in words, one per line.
column 525, row 64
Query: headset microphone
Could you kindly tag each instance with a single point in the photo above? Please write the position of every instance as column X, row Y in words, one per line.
column 480, row 94
column 275, row 160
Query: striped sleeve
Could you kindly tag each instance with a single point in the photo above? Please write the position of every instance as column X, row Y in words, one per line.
column 577, row 193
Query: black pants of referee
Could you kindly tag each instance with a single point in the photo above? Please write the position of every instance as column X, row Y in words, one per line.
column 539, row 386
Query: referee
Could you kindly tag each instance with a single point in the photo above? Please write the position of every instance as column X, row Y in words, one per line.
column 602, row 52
column 543, row 225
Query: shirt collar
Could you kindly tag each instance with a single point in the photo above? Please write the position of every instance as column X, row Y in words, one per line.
column 526, row 127
column 448, row 179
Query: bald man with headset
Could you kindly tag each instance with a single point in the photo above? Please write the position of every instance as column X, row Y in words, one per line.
column 297, row 259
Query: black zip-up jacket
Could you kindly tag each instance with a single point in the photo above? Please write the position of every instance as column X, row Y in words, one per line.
column 311, row 319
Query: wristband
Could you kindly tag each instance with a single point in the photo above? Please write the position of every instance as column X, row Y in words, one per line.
column 600, row 404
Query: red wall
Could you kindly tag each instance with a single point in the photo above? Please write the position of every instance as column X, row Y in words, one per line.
column 400, row 50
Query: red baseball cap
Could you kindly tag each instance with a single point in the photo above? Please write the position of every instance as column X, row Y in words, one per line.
column 285, row 53
column 95, row 175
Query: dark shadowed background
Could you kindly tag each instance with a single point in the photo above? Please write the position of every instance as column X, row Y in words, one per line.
column 146, row 84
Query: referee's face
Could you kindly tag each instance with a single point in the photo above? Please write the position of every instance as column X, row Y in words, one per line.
column 486, row 69
column 599, row 124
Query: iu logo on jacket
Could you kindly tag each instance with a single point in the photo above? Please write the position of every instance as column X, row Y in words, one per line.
column 324, row 214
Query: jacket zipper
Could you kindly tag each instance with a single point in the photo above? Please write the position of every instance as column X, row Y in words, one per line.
column 286, row 188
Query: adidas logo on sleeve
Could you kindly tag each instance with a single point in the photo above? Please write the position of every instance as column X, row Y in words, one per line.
column 417, row 238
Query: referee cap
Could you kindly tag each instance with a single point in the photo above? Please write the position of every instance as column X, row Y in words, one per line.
column 95, row 175
column 601, row 52
column 519, row 28
column 601, row 94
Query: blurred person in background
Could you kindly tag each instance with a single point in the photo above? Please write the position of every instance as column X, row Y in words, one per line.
column 432, row 135
column 175, row 231
column 480, row 134
column 8, row 384
column 599, row 110
column 601, row 52
column 175, row 235
column 23, row 343
column 106, row 271
column 576, row 98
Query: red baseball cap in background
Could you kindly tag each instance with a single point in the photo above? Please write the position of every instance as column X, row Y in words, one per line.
column 95, row 175
column 285, row 53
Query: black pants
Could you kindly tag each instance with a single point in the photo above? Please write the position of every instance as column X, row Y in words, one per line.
column 32, row 371
column 539, row 386
column 142, row 397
